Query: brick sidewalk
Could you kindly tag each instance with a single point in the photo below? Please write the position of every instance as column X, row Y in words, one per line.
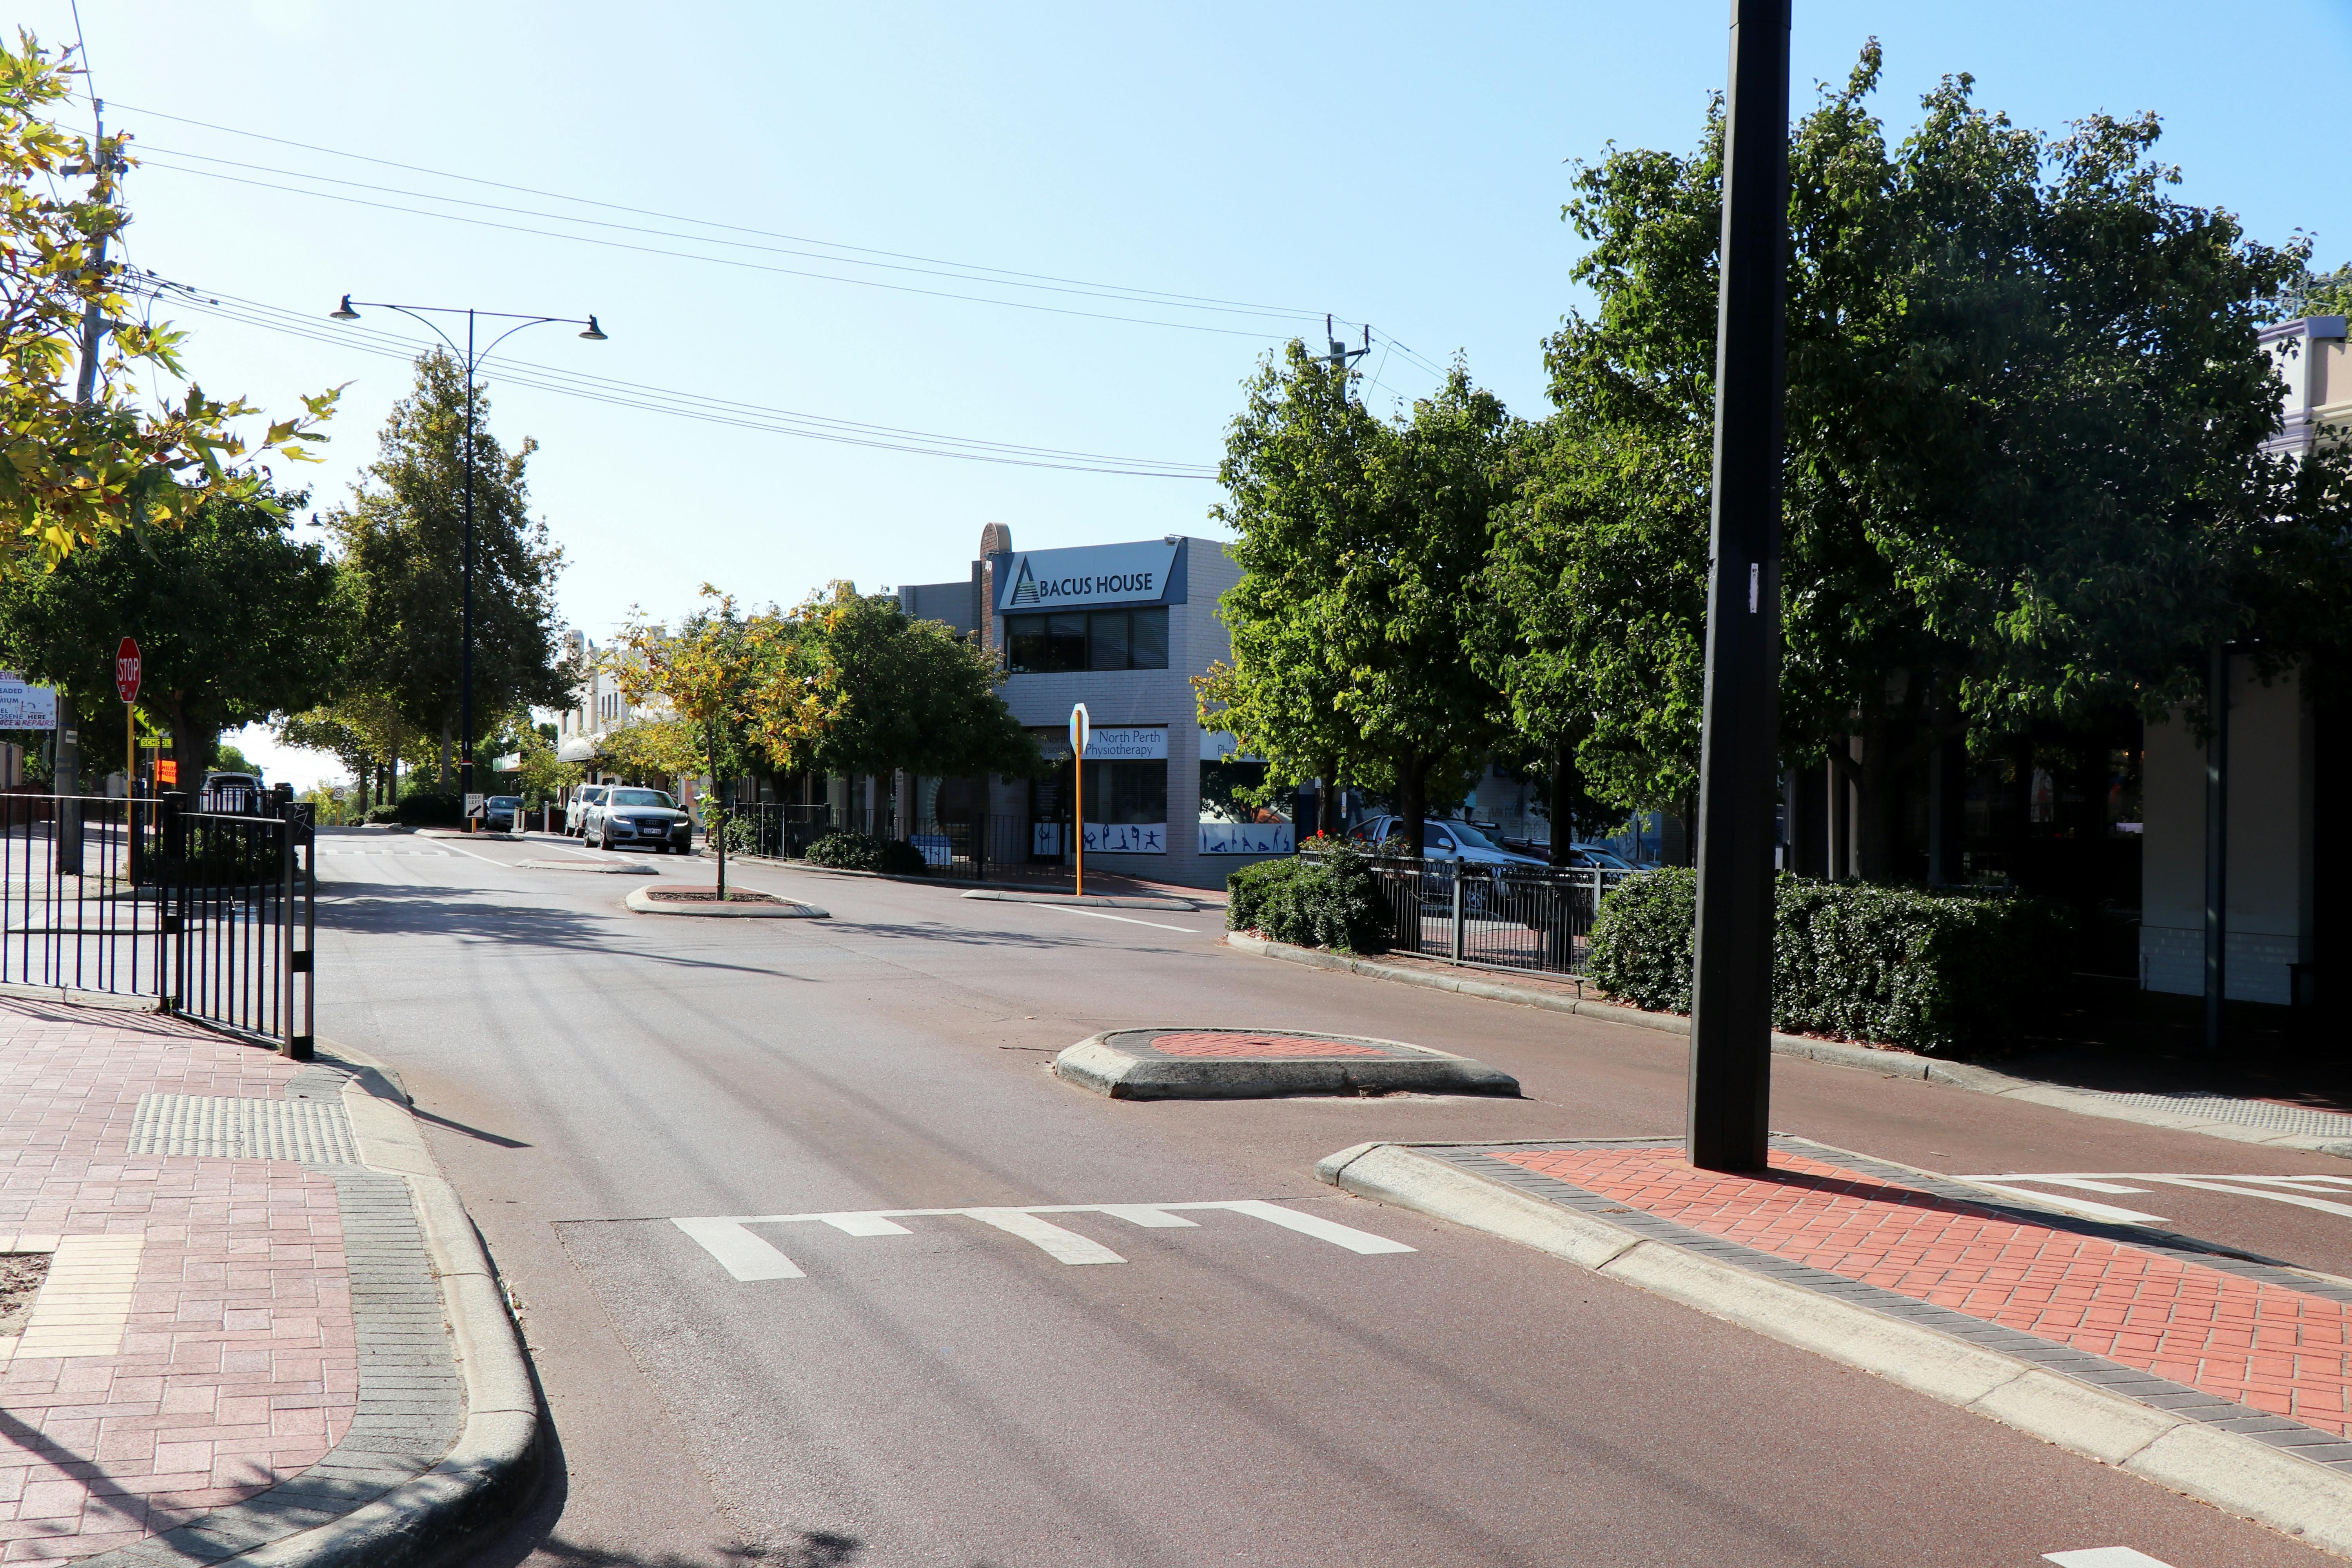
column 2246, row 1346
column 203, row 1350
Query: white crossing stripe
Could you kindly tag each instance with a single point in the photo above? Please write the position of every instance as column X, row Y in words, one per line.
column 2104, row 1557
column 1063, row 1246
column 2082, row 1208
column 2302, row 1192
column 748, row 1256
column 745, row 1256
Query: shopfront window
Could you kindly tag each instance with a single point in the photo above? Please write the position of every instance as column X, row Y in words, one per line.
column 1087, row 639
column 1126, row 807
column 1238, row 814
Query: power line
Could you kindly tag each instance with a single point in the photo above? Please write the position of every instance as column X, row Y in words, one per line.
column 698, row 407
column 943, row 270
column 733, row 228
column 722, row 261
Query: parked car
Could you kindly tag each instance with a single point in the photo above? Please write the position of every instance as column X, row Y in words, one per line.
column 576, row 811
column 233, row 794
column 641, row 819
column 1601, row 854
column 1444, row 841
column 502, row 811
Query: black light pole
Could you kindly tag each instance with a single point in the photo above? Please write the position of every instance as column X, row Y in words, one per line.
column 472, row 360
column 1731, row 992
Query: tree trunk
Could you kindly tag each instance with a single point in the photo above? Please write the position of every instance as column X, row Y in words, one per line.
column 1563, row 789
column 1326, row 798
column 448, row 740
column 1412, row 775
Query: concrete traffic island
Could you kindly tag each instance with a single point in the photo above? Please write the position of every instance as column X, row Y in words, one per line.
column 742, row 903
column 1253, row 1064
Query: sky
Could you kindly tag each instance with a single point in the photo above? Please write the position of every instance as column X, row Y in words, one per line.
column 1049, row 229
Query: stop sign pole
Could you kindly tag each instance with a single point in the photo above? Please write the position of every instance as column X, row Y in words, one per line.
column 126, row 683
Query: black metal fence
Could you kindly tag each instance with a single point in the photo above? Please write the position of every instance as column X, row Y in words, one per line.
column 975, row 846
column 211, row 913
column 1527, row 917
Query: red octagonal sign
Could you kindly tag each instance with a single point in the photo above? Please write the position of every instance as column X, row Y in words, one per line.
column 126, row 670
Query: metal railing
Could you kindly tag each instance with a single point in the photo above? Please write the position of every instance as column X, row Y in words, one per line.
column 1533, row 919
column 210, row 913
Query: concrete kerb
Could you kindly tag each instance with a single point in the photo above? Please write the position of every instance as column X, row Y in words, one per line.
column 642, row 901
column 1012, row 891
column 1833, row 1053
column 1101, row 1065
column 395, row 1519
column 1106, row 900
column 2231, row 1471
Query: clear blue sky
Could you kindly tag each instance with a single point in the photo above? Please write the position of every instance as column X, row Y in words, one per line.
column 1403, row 165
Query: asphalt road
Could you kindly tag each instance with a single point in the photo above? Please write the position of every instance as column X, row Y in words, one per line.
column 938, row 1389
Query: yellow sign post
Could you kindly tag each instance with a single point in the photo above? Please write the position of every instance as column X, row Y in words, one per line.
column 1081, row 726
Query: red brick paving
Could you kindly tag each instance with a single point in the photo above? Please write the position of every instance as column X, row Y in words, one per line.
column 1219, row 1044
column 2264, row 1346
column 237, row 1367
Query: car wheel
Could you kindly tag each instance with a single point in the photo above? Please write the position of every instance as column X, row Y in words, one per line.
column 604, row 839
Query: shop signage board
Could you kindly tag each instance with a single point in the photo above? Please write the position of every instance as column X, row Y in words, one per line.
column 1127, row 837
column 1127, row 744
column 1247, row 838
column 24, row 707
column 1034, row 579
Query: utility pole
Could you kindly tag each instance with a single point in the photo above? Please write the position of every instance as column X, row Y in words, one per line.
column 1341, row 356
column 2217, row 842
column 1731, row 992
column 66, row 777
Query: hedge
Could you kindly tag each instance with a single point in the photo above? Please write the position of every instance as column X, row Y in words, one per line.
column 422, row 809
column 863, row 852
column 1330, row 900
column 1929, row 970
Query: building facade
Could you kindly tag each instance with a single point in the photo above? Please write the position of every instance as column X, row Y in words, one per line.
column 1122, row 628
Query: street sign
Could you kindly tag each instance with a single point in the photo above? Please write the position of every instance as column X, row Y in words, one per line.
column 474, row 804
column 126, row 670
column 1081, row 726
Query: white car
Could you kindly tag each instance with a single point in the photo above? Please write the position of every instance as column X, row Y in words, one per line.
column 637, row 819
column 576, row 811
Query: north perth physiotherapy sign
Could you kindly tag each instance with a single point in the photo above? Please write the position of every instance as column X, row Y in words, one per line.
column 1096, row 574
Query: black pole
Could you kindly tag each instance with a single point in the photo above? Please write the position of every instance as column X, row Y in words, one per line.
column 466, row 659
column 2217, row 842
column 1731, row 993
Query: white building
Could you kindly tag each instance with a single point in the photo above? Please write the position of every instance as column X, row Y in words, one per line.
column 2278, row 904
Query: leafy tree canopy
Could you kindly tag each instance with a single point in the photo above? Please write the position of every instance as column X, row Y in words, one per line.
column 74, row 472
column 861, row 686
column 236, row 619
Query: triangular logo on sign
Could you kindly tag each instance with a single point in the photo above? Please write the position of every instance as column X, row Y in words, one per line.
column 1024, row 586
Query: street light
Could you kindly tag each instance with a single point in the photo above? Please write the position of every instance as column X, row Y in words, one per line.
column 472, row 360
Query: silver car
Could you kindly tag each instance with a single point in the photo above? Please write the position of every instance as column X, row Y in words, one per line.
column 576, row 811
column 639, row 818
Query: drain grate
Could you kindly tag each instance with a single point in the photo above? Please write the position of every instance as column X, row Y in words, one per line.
column 311, row 1130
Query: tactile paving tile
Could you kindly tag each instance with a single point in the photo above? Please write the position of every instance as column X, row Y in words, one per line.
column 313, row 1132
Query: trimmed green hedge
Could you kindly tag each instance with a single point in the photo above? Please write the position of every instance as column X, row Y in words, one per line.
column 1952, row 969
column 1331, row 900
column 863, row 852
column 422, row 809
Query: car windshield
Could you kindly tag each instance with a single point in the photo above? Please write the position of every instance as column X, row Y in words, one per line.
column 507, row 801
column 639, row 797
column 1464, row 833
column 1609, row 858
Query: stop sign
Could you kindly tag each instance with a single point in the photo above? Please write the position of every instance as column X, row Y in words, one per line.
column 126, row 670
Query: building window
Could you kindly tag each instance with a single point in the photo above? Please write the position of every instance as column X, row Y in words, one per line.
column 1087, row 639
column 1126, row 807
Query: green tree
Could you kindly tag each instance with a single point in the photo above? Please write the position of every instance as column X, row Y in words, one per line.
column 236, row 620
column 82, row 467
column 1363, row 546
column 856, row 685
column 1300, row 490
column 402, row 541
column 2025, row 416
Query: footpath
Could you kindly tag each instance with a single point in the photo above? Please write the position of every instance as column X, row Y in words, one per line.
column 242, row 1318
column 2222, row 1375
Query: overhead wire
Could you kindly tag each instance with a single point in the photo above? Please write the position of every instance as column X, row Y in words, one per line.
column 698, row 407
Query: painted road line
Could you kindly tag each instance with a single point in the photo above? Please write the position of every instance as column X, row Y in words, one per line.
column 2104, row 1557
column 1123, row 919
column 747, row 1256
column 2080, row 1208
column 2297, row 1199
column 1062, row 1246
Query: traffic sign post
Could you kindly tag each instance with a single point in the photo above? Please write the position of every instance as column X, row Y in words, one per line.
column 126, row 683
column 1081, row 727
